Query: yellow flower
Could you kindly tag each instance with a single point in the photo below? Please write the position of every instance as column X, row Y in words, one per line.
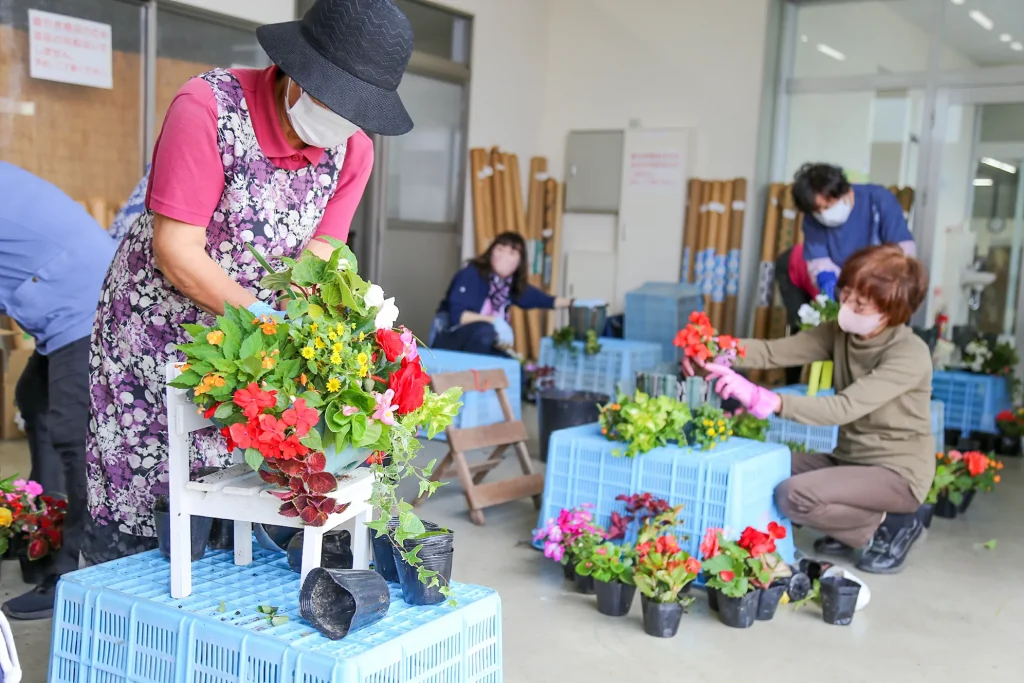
column 363, row 359
column 216, row 337
column 362, row 336
column 201, row 389
column 319, row 343
column 336, row 358
column 729, row 433
column 308, row 352
column 6, row 517
column 313, row 328
column 332, row 336
column 721, row 430
column 333, row 384
column 268, row 363
column 338, row 347
column 711, row 432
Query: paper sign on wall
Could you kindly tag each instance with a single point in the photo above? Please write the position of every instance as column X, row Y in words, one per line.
column 655, row 169
column 70, row 50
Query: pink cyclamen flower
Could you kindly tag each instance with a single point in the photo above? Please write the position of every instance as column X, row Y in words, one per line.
column 349, row 411
column 385, row 411
column 409, row 341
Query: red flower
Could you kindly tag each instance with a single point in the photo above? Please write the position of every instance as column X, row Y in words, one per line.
column 726, row 576
column 376, row 458
column 252, row 400
column 391, row 343
column 977, row 462
column 760, row 549
column 667, row 545
column 1005, row 416
column 409, row 384
column 692, row 565
column 211, row 410
column 776, row 530
column 727, row 342
column 751, row 537
column 244, row 435
column 300, row 417
column 291, row 448
column 271, row 436
column 642, row 549
column 709, row 545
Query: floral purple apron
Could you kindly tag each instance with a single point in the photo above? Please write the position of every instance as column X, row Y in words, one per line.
column 140, row 316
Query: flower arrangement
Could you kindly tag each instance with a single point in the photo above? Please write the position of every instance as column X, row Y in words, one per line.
column 976, row 355
column 1011, row 422
column 713, row 427
column 663, row 569
column 746, row 426
column 313, row 396
column 822, row 309
column 701, row 342
column 639, row 507
column 957, row 473
column 643, row 422
column 607, row 562
column 570, row 535
column 30, row 518
column 737, row 567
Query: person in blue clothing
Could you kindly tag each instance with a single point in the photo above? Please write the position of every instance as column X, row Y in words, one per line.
column 132, row 209
column 474, row 314
column 840, row 219
column 53, row 259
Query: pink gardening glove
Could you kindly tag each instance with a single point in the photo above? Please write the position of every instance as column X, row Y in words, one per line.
column 688, row 365
column 759, row 401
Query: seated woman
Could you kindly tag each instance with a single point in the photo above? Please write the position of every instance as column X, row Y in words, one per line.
column 474, row 314
column 866, row 493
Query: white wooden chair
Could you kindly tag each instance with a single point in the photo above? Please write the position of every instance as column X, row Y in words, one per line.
column 238, row 493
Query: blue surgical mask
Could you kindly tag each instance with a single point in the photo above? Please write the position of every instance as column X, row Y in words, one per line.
column 835, row 215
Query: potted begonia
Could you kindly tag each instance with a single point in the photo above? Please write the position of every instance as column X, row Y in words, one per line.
column 744, row 574
column 611, row 568
column 664, row 573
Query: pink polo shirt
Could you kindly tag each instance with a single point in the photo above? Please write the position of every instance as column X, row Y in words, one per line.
column 187, row 177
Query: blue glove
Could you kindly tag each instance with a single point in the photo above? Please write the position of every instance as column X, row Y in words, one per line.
column 262, row 308
column 506, row 337
column 827, row 283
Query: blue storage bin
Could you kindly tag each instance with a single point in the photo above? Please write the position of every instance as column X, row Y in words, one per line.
column 939, row 425
column 731, row 486
column 614, row 366
column 478, row 408
column 814, row 439
column 117, row 623
column 971, row 401
column 658, row 310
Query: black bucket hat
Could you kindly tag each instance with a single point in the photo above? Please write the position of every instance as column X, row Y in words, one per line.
column 350, row 55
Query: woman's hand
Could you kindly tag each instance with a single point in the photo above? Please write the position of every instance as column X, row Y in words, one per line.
column 759, row 401
column 562, row 302
column 179, row 251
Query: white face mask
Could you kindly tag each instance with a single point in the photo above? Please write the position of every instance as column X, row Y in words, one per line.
column 315, row 125
column 852, row 322
column 835, row 215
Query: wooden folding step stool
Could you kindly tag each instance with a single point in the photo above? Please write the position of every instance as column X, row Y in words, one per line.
column 499, row 436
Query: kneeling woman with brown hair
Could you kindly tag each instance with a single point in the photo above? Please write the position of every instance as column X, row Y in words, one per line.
column 866, row 493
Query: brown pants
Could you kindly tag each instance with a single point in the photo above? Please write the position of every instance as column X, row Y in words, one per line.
column 846, row 502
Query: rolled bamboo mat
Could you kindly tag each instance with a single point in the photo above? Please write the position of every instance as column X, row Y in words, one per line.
column 536, row 320
column 721, row 248
column 766, row 269
column 500, row 187
column 700, row 265
column 553, row 202
column 788, row 228
column 483, row 214
column 691, row 228
column 732, row 263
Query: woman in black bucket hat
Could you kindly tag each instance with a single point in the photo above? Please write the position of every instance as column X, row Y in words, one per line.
column 272, row 159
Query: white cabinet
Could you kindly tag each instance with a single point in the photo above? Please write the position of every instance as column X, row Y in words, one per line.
column 644, row 243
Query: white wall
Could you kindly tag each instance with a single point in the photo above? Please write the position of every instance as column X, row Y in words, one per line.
column 259, row 11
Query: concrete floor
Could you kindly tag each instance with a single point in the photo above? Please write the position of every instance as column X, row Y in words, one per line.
column 955, row 614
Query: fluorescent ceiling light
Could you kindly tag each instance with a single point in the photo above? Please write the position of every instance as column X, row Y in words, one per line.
column 1017, row 45
column 1005, row 37
column 983, row 182
column 1001, row 165
column 831, row 52
column 981, row 20
column 958, row 2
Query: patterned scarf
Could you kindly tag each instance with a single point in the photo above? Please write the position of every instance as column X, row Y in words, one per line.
column 499, row 296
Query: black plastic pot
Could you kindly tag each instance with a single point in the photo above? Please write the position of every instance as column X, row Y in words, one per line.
column 200, row 530
column 945, row 508
column 739, row 612
column 34, row 571
column 661, row 619
column 584, row 584
column 768, row 601
column 713, row 599
column 569, row 570
column 558, row 409
column 925, row 514
column 437, row 554
column 272, row 537
column 222, row 535
column 1008, row 445
column 336, row 552
column 614, row 598
column 798, row 586
column 383, row 554
column 339, row 601
column 838, row 600
column 966, row 502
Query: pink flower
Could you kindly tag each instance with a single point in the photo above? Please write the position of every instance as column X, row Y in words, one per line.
column 954, row 456
column 385, row 411
column 348, row 411
column 602, row 551
column 409, row 341
column 31, row 488
column 554, row 551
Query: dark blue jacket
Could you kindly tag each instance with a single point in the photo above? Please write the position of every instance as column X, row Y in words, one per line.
column 468, row 292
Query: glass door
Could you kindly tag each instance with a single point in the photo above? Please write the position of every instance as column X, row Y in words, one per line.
column 977, row 210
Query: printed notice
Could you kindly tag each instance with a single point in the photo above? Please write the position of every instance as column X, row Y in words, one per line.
column 70, row 50
column 655, row 169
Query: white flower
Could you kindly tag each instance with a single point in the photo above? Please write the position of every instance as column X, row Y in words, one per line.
column 821, row 299
column 374, row 296
column 809, row 315
column 387, row 315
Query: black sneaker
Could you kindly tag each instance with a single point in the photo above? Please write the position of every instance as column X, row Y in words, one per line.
column 36, row 604
column 890, row 546
column 826, row 545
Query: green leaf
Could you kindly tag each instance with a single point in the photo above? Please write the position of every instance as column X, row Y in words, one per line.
column 316, row 312
column 186, row 380
column 359, row 428
column 990, row 545
column 297, row 308
column 370, row 436
column 409, row 523
column 348, row 298
column 308, row 271
column 195, row 331
column 279, row 620
column 312, row 441
column 254, row 459
column 201, row 351
column 232, row 337
column 222, row 607
column 224, row 410
column 331, row 293
column 253, row 365
column 252, row 345
column 312, row 399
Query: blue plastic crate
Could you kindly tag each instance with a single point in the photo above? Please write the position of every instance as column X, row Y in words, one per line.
column 658, row 310
column 614, row 366
column 117, row 623
column 939, row 425
column 731, row 486
column 478, row 408
column 814, row 439
column 971, row 401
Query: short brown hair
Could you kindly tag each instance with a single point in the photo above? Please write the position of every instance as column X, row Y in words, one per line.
column 895, row 282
